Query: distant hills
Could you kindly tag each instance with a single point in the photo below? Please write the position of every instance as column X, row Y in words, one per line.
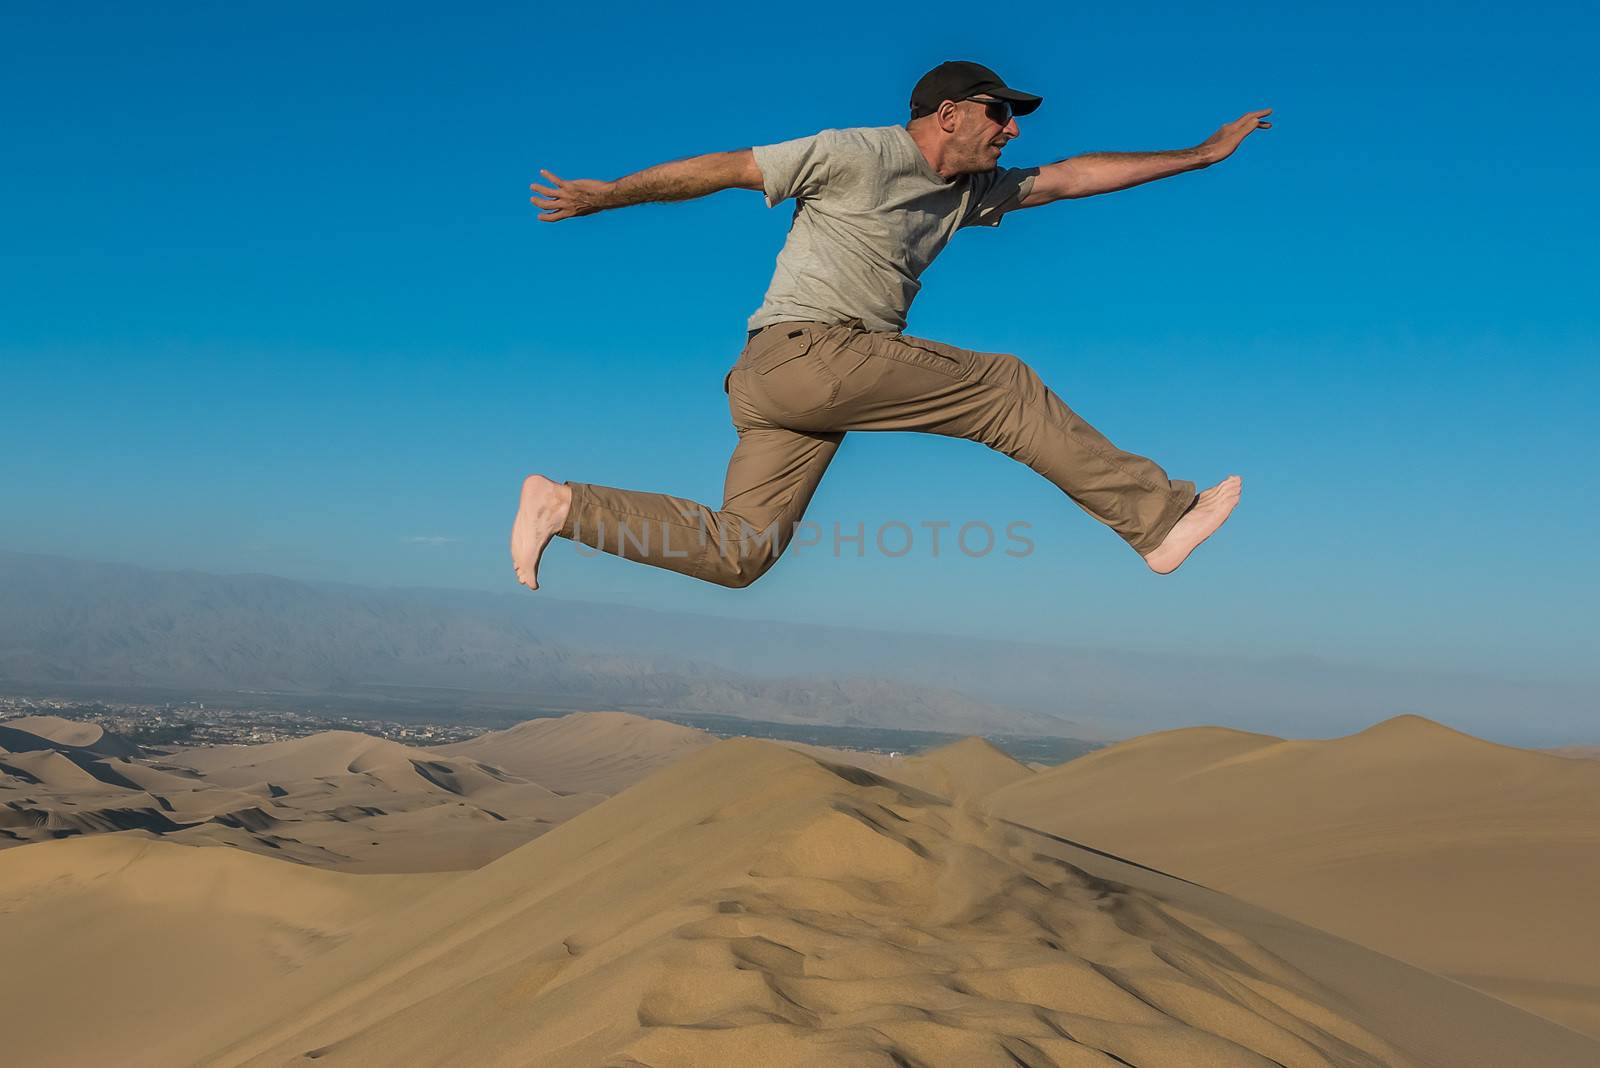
column 68, row 622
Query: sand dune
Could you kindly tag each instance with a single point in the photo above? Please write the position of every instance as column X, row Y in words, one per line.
column 970, row 768
column 366, row 839
column 315, row 756
column 111, row 942
column 963, row 771
column 50, row 793
column 358, row 803
column 586, row 751
column 321, row 763
column 750, row 905
column 892, row 767
column 46, row 767
column 157, row 777
column 34, row 732
column 337, row 800
column 1470, row 859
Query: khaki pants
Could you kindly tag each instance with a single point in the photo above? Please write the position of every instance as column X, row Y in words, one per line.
column 795, row 391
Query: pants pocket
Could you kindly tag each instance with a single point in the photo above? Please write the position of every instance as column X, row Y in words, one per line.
column 791, row 380
column 776, row 347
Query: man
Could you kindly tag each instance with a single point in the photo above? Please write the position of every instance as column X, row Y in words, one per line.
column 826, row 355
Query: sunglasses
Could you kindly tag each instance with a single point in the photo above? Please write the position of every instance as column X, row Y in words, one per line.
column 999, row 111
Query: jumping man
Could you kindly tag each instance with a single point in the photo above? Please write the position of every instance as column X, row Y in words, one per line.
column 825, row 353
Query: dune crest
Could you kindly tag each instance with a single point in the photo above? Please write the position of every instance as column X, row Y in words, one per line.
column 961, row 770
column 585, row 751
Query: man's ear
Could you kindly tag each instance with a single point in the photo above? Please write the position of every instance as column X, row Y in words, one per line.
column 949, row 116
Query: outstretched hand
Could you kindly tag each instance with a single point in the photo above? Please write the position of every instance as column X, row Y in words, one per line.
column 581, row 196
column 1220, row 145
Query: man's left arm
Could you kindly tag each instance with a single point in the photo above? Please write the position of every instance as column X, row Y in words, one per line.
column 1106, row 172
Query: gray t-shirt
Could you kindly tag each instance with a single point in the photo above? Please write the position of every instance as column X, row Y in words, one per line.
column 870, row 215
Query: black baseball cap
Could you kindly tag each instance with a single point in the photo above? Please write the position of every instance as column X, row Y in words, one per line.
column 958, row 80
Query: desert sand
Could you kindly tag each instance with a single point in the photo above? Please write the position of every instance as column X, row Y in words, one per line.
column 1472, row 860
column 111, row 942
column 730, row 903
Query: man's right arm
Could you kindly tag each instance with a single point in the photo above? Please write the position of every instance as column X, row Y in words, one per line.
column 681, row 179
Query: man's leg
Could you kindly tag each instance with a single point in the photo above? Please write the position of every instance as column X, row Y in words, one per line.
column 894, row 382
column 771, row 478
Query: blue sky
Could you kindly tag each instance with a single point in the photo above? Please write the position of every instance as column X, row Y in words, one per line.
column 272, row 298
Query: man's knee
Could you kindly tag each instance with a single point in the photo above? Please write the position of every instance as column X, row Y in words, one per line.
column 1014, row 368
column 1014, row 375
column 746, row 553
column 744, row 570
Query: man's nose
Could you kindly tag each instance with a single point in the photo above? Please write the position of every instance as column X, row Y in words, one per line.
column 1011, row 127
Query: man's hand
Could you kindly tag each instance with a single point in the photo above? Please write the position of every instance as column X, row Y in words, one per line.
column 581, row 196
column 1220, row 145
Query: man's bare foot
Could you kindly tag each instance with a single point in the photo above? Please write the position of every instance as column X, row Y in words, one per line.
column 1211, row 509
column 543, row 509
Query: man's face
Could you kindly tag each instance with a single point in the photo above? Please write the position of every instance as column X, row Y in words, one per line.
column 983, row 126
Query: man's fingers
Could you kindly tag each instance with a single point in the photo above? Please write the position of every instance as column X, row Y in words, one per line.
column 550, row 176
column 546, row 190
